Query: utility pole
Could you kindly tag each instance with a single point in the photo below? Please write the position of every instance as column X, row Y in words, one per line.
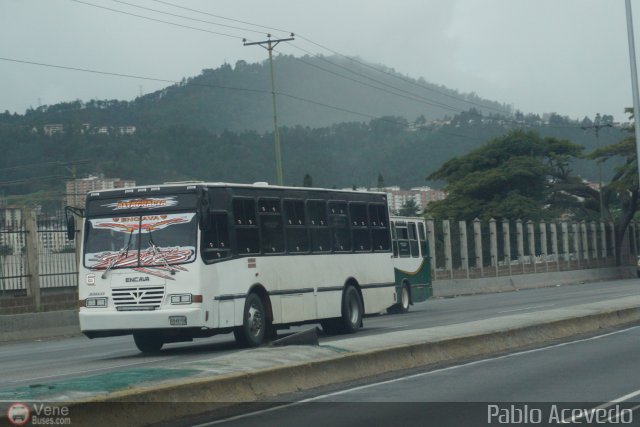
column 270, row 44
column 597, row 128
column 634, row 78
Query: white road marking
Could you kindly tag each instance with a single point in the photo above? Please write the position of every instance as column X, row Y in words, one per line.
column 526, row 308
column 604, row 406
column 423, row 374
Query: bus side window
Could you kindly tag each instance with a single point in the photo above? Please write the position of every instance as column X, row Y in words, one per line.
column 360, row 227
column 423, row 239
column 215, row 240
column 246, row 228
column 318, row 226
column 379, row 224
column 297, row 238
column 413, row 240
column 340, row 226
column 271, row 226
column 403, row 241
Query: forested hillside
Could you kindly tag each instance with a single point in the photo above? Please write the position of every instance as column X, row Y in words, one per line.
column 218, row 127
column 340, row 155
column 314, row 91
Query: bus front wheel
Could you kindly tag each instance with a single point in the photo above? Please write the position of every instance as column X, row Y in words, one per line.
column 254, row 323
column 148, row 342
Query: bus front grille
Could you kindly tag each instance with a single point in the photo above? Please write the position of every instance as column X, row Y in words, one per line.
column 137, row 299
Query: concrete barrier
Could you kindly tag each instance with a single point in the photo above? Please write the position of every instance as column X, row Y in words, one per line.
column 484, row 285
column 17, row 327
column 179, row 399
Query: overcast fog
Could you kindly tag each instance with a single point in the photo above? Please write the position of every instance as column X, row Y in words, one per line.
column 569, row 56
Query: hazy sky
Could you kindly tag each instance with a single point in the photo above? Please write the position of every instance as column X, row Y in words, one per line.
column 565, row 56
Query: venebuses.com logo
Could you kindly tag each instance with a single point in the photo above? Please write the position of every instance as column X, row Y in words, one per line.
column 18, row 414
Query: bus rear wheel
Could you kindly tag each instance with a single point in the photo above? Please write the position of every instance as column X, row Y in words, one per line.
column 254, row 323
column 148, row 342
column 405, row 299
column 352, row 311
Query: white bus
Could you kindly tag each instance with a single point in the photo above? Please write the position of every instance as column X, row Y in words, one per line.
column 171, row 263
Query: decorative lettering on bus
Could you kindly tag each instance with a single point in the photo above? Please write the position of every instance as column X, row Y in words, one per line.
column 146, row 203
column 155, row 263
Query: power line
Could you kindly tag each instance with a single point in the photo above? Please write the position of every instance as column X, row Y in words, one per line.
column 44, row 164
column 428, row 102
column 298, row 98
column 394, row 75
column 28, row 180
column 187, row 17
column 158, row 20
column 221, row 17
column 260, row 91
column 130, row 76
column 411, row 96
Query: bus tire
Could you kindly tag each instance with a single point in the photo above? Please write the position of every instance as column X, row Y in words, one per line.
column 405, row 299
column 148, row 342
column 352, row 311
column 254, row 323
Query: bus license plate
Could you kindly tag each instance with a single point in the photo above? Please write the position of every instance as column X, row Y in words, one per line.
column 178, row 320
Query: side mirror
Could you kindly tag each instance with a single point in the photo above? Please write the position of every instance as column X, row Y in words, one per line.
column 71, row 228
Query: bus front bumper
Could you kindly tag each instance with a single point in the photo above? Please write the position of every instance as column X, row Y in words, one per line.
column 103, row 320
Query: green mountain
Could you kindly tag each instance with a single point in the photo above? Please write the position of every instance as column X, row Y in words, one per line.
column 311, row 93
column 198, row 130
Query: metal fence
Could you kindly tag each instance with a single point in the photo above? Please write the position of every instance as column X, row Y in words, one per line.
column 53, row 253
column 57, row 255
column 13, row 264
column 463, row 250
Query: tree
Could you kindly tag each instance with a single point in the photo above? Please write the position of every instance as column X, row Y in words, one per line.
column 409, row 208
column 380, row 181
column 620, row 195
column 513, row 176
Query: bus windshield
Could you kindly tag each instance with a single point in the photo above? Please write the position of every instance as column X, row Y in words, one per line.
column 134, row 241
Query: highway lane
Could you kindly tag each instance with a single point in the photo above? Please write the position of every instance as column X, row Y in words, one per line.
column 38, row 362
column 598, row 372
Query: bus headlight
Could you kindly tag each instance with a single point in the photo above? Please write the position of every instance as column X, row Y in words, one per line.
column 184, row 298
column 181, row 299
column 95, row 302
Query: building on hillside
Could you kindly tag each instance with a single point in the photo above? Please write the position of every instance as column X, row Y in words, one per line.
column 397, row 197
column 77, row 189
column 422, row 196
column 127, row 130
column 51, row 129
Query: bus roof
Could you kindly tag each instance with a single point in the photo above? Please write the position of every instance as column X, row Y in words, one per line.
column 186, row 186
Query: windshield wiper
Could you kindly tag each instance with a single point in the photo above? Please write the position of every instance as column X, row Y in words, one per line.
column 156, row 250
column 124, row 251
